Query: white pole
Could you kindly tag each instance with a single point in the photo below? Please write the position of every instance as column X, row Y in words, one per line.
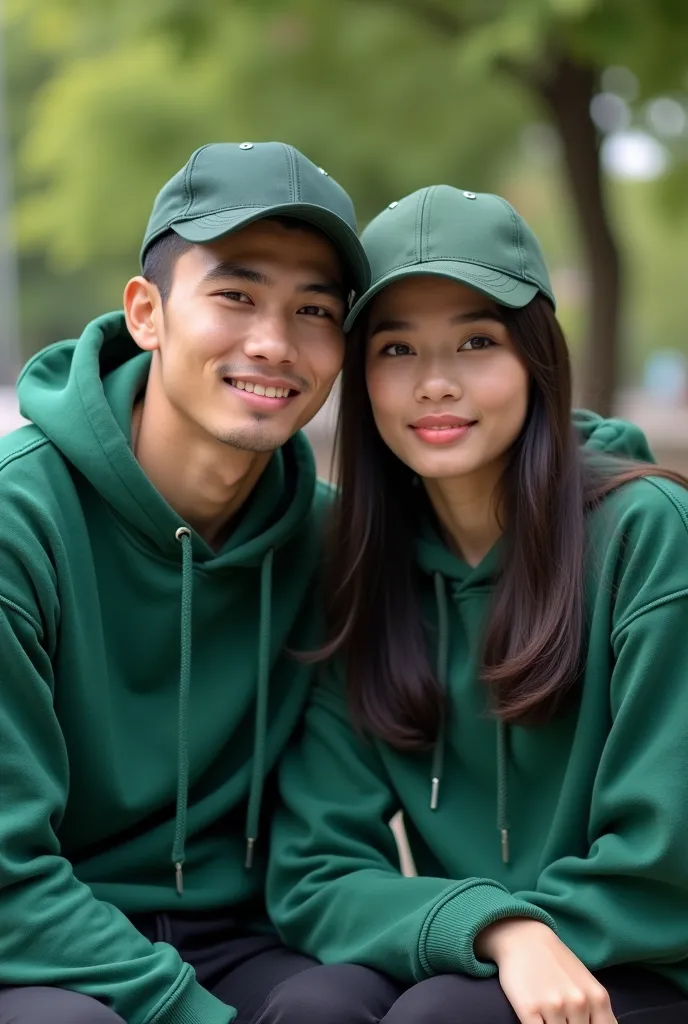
column 9, row 276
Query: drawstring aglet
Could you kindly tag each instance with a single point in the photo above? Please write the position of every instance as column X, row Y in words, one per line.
column 435, row 794
column 505, row 845
column 179, row 878
column 250, row 846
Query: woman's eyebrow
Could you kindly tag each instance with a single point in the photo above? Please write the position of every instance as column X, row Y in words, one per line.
column 479, row 314
column 392, row 325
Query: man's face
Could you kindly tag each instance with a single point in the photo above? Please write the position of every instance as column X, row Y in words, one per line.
column 250, row 339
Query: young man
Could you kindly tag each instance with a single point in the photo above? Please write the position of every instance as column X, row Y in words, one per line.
column 159, row 542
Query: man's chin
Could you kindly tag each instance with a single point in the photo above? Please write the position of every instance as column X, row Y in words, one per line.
column 253, row 439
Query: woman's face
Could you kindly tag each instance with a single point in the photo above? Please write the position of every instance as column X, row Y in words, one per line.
column 448, row 390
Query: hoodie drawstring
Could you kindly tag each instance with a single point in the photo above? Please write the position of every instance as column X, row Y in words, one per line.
column 183, row 535
column 502, row 790
column 438, row 750
column 258, row 771
column 442, row 660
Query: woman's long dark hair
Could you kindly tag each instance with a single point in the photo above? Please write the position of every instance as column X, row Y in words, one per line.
column 535, row 633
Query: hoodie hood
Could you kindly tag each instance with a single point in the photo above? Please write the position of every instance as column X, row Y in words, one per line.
column 81, row 395
column 600, row 436
column 453, row 578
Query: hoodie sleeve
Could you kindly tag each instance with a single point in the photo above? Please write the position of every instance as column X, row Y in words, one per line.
column 636, row 869
column 335, row 889
column 54, row 932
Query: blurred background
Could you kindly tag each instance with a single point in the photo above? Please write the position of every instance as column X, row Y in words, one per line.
column 575, row 110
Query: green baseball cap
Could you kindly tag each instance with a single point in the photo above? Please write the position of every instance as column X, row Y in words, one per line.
column 225, row 186
column 477, row 239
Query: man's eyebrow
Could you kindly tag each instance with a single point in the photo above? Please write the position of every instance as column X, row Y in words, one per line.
column 324, row 288
column 225, row 269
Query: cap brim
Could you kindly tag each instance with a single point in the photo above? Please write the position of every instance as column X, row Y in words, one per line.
column 215, row 225
column 507, row 291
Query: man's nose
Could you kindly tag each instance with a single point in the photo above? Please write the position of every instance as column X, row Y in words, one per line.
column 271, row 342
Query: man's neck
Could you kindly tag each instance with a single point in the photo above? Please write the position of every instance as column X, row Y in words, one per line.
column 205, row 481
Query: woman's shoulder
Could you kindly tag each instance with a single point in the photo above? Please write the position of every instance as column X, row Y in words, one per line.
column 643, row 504
column 639, row 543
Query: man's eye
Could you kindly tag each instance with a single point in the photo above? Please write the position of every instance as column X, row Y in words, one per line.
column 477, row 344
column 235, row 296
column 396, row 349
column 315, row 311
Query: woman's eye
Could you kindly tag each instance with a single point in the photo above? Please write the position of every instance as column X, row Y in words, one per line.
column 476, row 344
column 396, row 349
column 315, row 311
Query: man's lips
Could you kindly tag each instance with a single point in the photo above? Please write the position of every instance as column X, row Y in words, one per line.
column 441, row 428
column 264, row 387
column 263, row 394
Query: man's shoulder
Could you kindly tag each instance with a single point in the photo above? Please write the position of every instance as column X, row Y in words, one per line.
column 28, row 461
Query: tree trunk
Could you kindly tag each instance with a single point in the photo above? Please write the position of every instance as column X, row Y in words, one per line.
column 567, row 91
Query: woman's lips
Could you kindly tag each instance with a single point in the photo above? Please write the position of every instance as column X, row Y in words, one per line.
column 443, row 428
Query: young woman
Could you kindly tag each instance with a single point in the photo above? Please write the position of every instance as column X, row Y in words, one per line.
column 510, row 620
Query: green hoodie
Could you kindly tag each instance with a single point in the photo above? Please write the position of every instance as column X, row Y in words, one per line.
column 136, row 723
column 590, row 810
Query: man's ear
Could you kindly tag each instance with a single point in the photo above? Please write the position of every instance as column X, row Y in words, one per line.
column 143, row 311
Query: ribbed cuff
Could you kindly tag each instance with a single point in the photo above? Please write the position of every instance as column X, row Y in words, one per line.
column 193, row 1004
column 448, row 935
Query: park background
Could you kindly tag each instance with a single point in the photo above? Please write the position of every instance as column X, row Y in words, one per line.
column 575, row 110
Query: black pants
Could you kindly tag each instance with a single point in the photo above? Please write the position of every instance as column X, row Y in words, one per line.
column 349, row 994
column 270, row 984
column 240, row 970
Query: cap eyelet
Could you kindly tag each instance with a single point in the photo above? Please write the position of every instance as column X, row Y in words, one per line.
column 323, row 171
column 392, row 205
column 246, row 145
column 183, row 531
column 470, row 195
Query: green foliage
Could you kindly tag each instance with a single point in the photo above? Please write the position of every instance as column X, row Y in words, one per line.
column 109, row 98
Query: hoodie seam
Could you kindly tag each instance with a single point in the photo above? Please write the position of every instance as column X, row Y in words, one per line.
column 658, row 602
column 34, row 623
column 26, row 449
column 680, row 508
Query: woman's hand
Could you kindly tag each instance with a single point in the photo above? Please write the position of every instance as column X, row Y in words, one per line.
column 540, row 976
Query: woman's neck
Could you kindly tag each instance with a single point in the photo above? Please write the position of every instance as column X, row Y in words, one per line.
column 467, row 510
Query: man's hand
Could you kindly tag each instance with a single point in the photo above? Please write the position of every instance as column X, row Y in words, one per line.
column 540, row 976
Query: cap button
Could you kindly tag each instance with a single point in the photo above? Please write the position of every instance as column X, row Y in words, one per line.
column 246, row 145
column 470, row 195
column 323, row 171
column 392, row 205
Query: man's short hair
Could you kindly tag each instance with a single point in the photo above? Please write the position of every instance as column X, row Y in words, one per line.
column 162, row 255
column 160, row 260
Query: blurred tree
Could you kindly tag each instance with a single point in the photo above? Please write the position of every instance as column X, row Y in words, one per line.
column 556, row 49
column 130, row 91
column 388, row 95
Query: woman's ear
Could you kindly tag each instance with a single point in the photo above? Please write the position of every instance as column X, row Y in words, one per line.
column 142, row 309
